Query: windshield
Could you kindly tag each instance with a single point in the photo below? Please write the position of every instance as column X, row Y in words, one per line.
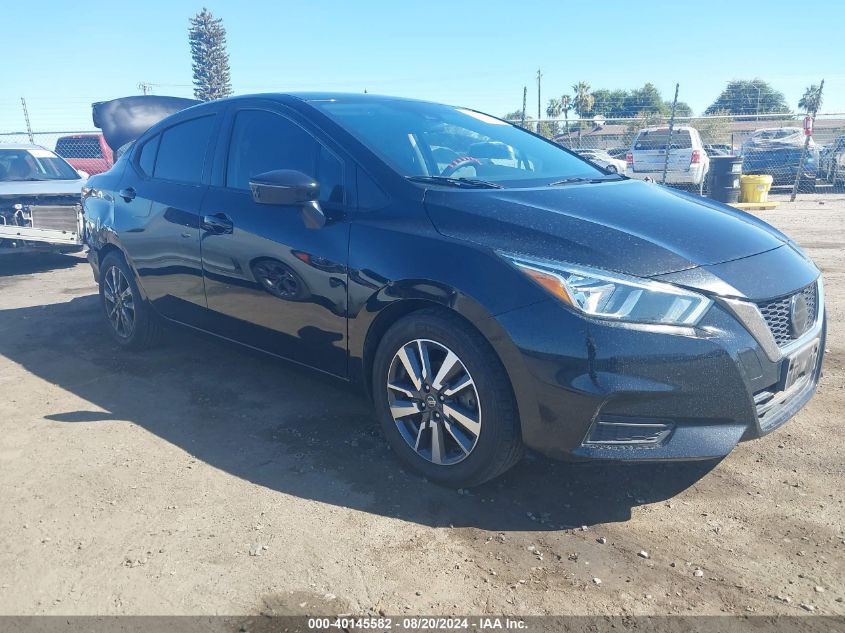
column 426, row 139
column 34, row 164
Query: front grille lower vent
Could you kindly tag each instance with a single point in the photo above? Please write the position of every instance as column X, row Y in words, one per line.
column 777, row 314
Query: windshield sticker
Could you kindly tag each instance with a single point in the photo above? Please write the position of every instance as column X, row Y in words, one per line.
column 485, row 118
column 41, row 153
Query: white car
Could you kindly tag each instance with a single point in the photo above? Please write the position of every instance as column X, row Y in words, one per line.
column 603, row 159
column 688, row 163
column 40, row 200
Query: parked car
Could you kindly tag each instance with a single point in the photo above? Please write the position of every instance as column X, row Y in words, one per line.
column 777, row 152
column 87, row 152
column 39, row 201
column 688, row 161
column 483, row 306
column 618, row 152
column 602, row 159
column 832, row 162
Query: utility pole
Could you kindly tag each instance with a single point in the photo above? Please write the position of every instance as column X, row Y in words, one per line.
column 539, row 99
column 145, row 87
column 524, row 104
column 26, row 118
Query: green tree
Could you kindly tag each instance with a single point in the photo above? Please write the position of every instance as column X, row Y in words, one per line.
column 583, row 100
column 749, row 96
column 515, row 117
column 714, row 129
column 812, row 99
column 210, row 60
column 646, row 99
column 682, row 109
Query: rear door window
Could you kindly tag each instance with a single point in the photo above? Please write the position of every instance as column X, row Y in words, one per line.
column 147, row 156
column 182, row 150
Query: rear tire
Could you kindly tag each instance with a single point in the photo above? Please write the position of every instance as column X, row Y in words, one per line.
column 130, row 320
column 467, row 410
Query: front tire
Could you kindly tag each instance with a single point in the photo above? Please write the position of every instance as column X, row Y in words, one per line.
column 130, row 321
column 444, row 400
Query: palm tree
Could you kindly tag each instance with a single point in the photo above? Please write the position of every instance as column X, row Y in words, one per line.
column 584, row 99
column 583, row 102
column 812, row 99
column 565, row 107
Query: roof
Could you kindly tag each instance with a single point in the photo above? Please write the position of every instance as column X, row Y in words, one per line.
column 21, row 146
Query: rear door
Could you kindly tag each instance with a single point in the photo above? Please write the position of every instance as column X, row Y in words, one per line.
column 271, row 282
column 650, row 150
column 158, row 215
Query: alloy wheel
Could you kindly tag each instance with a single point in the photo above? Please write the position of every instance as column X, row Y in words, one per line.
column 119, row 302
column 434, row 402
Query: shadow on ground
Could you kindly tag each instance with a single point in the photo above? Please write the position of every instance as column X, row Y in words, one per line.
column 28, row 263
column 285, row 428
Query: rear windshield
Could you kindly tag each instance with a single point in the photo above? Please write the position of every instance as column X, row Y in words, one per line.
column 79, row 147
column 658, row 139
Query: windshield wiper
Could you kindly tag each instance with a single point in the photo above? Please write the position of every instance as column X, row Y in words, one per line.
column 580, row 179
column 31, row 179
column 467, row 183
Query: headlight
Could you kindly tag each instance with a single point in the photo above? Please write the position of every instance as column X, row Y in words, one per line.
column 614, row 296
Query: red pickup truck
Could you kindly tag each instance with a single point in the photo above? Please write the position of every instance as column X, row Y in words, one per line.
column 86, row 152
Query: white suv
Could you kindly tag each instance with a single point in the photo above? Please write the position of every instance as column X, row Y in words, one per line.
column 688, row 162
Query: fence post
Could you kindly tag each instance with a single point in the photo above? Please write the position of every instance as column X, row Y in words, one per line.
column 669, row 139
column 524, row 104
column 806, row 148
column 26, row 118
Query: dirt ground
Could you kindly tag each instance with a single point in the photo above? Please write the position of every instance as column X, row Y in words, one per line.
column 200, row 478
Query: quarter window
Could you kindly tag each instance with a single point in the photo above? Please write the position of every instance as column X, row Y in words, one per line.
column 264, row 141
column 147, row 157
column 182, row 150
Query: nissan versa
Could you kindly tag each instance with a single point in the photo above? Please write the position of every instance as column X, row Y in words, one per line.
column 488, row 288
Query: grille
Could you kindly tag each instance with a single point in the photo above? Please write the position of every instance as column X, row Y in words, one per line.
column 776, row 314
column 57, row 218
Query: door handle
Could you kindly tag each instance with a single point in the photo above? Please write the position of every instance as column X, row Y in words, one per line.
column 219, row 223
column 127, row 194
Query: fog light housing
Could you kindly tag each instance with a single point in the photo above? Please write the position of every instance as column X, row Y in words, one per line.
column 612, row 430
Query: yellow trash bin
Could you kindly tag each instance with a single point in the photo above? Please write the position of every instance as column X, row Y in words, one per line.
column 755, row 188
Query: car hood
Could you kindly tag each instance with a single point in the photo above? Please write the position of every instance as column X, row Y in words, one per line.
column 626, row 226
column 41, row 187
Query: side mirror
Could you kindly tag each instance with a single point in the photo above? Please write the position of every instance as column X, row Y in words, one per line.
column 290, row 188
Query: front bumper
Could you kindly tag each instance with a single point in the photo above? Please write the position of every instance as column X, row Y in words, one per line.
column 596, row 390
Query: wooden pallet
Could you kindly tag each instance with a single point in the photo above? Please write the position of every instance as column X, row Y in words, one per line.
column 755, row 206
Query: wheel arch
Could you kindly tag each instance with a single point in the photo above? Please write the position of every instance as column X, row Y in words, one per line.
column 474, row 315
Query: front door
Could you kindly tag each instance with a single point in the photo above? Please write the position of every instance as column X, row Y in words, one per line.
column 270, row 282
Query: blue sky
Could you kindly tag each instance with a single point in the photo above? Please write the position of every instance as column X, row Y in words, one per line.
column 64, row 55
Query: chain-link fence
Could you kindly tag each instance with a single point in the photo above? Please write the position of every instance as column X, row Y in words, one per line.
column 802, row 151
column 676, row 149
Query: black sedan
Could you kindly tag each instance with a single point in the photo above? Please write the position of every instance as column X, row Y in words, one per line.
column 489, row 289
